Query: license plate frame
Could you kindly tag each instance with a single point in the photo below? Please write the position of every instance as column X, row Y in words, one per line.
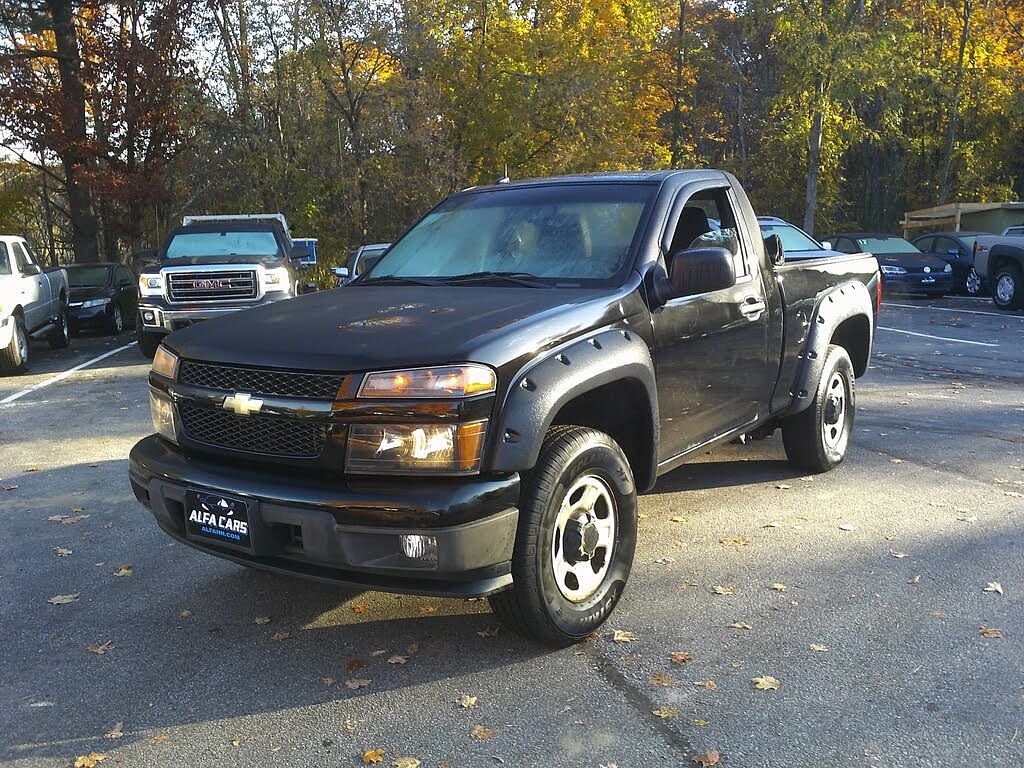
column 218, row 518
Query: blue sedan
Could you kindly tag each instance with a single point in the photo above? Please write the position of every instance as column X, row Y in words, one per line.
column 905, row 268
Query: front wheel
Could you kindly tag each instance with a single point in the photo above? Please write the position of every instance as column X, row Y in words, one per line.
column 14, row 357
column 1008, row 288
column 816, row 439
column 575, row 541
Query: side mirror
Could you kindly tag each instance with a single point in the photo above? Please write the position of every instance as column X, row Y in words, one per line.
column 30, row 269
column 774, row 250
column 700, row 270
column 826, row 244
column 341, row 273
column 954, row 252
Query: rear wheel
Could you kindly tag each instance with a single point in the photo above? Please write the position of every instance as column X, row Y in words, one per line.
column 816, row 439
column 577, row 532
column 115, row 323
column 14, row 357
column 972, row 283
column 1008, row 288
column 59, row 335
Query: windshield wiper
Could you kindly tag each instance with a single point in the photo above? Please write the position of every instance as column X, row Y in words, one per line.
column 396, row 280
column 519, row 278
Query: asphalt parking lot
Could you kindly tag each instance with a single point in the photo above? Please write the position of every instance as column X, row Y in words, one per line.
column 862, row 592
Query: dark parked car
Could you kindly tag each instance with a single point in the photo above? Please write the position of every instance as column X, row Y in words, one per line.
column 956, row 248
column 476, row 415
column 103, row 296
column 795, row 242
column 905, row 269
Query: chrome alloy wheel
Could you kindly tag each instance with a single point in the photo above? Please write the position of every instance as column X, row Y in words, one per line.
column 583, row 538
column 1005, row 289
column 973, row 283
column 21, row 339
column 833, row 425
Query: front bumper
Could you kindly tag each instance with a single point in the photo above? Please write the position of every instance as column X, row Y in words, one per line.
column 348, row 532
column 915, row 282
column 83, row 317
column 157, row 315
column 6, row 331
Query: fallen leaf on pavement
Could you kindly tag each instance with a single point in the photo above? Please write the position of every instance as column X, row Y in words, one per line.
column 63, row 599
column 236, row 742
column 281, row 635
column 726, row 590
column 184, row 613
column 100, row 648
column 735, row 542
column 89, row 761
column 353, row 664
column 396, row 659
column 740, row 625
column 897, row 554
column 67, row 519
column 680, row 657
column 705, row 761
column 466, row 701
column 116, row 732
column 412, row 648
column 673, row 519
column 425, row 609
column 371, row 756
column 482, row 733
column 963, row 518
column 261, row 620
column 664, row 712
column 847, row 527
column 489, row 632
column 778, row 587
column 818, row 647
column 990, row 632
column 62, row 551
column 993, row 586
column 32, row 469
column 124, row 569
column 766, row 683
column 699, row 723
column 10, row 487
column 358, row 682
column 621, row 636
column 328, row 681
column 360, row 608
column 662, row 680
column 665, row 560
column 406, row 762
column 783, row 486
column 161, row 737
column 378, row 652
column 709, row 684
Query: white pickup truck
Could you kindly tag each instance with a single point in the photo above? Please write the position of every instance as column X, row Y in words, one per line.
column 999, row 260
column 31, row 302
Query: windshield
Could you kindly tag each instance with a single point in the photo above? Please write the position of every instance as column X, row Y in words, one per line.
column 887, row 245
column 793, row 239
column 568, row 234
column 222, row 244
column 88, row 277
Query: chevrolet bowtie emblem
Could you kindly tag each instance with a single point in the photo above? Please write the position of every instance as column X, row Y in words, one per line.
column 242, row 404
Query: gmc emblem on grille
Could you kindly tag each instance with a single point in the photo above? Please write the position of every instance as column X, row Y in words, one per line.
column 242, row 404
column 211, row 284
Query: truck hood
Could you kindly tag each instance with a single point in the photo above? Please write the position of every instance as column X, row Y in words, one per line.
column 184, row 261
column 359, row 328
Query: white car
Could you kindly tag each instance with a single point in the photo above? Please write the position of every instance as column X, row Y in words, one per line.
column 31, row 302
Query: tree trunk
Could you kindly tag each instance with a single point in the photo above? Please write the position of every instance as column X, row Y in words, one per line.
column 813, row 168
column 73, row 154
column 954, row 109
column 677, row 90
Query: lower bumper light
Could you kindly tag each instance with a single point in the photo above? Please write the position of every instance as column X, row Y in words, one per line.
column 148, row 317
column 418, row 547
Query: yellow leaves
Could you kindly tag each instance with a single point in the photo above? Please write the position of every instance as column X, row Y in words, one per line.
column 740, row 625
column 622, row 636
column 708, row 684
column 726, row 590
column 236, row 742
column 482, row 733
column 67, row 519
column 662, row 680
column 466, row 701
column 124, row 569
column 680, row 657
column 89, row 761
column 766, row 683
column 706, row 761
column 64, row 599
column 372, row 756
column 161, row 737
column 100, row 648
column 360, row 608
column 665, row 712
column 735, row 542
column 406, row 762
column 778, row 587
column 991, row 633
column 426, row 610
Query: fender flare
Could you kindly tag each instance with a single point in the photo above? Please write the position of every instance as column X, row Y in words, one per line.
column 834, row 307
column 542, row 388
column 1004, row 252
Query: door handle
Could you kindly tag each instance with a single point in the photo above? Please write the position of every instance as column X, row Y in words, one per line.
column 752, row 307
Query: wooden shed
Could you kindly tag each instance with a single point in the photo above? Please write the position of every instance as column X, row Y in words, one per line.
column 972, row 217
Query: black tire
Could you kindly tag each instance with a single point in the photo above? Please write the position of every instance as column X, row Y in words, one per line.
column 14, row 357
column 536, row 606
column 115, row 323
column 814, row 442
column 973, row 284
column 148, row 342
column 1008, row 288
column 59, row 336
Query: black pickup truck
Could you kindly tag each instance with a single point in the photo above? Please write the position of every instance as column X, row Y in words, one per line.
column 476, row 414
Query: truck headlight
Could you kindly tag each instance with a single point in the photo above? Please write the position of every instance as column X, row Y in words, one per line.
column 162, row 410
column 442, row 382
column 95, row 303
column 151, row 285
column 893, row 270
column 276, row 279
column 415, row 448
column 165, row 362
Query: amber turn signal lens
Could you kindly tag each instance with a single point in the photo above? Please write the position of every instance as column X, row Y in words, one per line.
column 165, row 362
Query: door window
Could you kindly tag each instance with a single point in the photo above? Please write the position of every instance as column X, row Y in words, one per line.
column 925, row 243
column 943, row 246
column 5, row 259
column 123, row 276
column 845, row 245
column 707, row 221
column 21, row 260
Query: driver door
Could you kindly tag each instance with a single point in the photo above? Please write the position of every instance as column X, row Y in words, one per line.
column 33, row 290
column 711, row 349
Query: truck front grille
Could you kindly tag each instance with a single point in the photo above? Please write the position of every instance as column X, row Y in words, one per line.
column 261, row 381
column 209, row 286
column 267, row 435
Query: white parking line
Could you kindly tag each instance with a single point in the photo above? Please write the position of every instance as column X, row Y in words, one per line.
column 64, row 375
column 947, row 309
column 929, row 336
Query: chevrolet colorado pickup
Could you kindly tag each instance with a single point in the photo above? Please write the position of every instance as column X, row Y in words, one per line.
column 999, row 260
column 32, row 301
column 213, row 265
column 476, row 414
